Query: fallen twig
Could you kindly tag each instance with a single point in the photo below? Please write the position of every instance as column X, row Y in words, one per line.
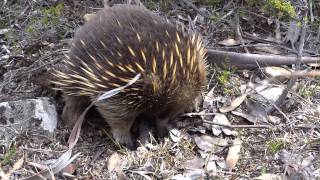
column 253, row 60
column 238, row 33
column 263, row 126
column 239, row 126
column 188, row 3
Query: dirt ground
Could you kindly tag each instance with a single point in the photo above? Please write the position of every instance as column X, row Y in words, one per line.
column 35, row 35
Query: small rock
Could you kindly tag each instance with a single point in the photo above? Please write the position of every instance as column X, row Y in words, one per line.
column 211, row 166
column 5, row 57
column 113, row 163
column 35, row 115
column 270, row 93
column 4, row 31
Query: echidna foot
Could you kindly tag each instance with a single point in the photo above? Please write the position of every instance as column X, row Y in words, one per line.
column 122, row 137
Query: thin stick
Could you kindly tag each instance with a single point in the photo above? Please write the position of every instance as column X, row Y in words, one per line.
column 293, row 79
column 239, row 126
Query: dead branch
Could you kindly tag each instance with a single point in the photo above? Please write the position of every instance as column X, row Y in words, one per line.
column 191, row 5
column 298, row 74
column 247, row 61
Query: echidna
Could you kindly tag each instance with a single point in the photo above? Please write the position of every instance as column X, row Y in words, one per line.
column 116, row 45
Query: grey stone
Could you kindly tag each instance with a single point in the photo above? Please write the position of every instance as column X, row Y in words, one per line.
column 29, row 115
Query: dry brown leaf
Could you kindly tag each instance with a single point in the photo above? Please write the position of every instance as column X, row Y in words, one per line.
column 18, row 164
column 234, row 104
column 37, row 165
column 223, row 120
column 195, row 163
column 233, row 154
column 248, row 117
column 70, row 169
column 274, row 71
column 56, row 166
column 113, row 163
column 208, row 99
column 208, row 143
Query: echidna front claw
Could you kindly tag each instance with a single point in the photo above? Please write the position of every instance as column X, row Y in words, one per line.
column 122, row 137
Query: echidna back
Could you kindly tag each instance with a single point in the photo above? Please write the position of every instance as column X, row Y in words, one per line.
column 120, row 42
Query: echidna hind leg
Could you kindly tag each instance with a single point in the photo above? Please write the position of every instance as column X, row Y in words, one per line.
column 120, row 120
column 146, row 131
column 162, row 127
column 121, row 132
column 73, row 108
